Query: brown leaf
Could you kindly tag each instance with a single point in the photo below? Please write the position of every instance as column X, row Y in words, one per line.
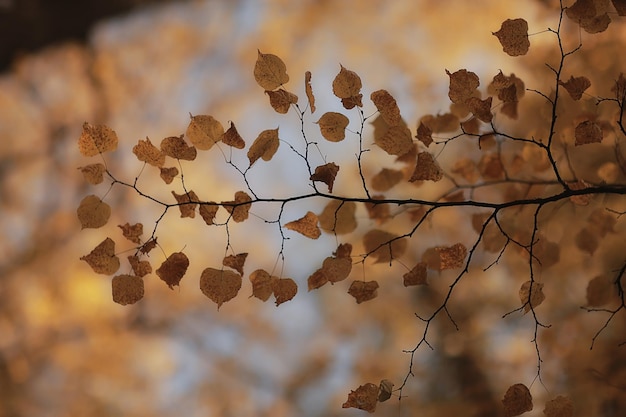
column 326, row 173
column 364, row 291
column 203, row 132
column 235, row 261
column 148, row 246
column 583, row 199
column 146, row 152
column 333, row 126
column 140, row 268
column 102, row 258
column 426, row 169
column 576, row 86
column 463, row 84
column 591, row 18
column 424, row 134
column 337, row 269
column 416, row 276
column 264, row 146
column 441, row 123
column 619, row 88
column 309, row 91
column 620, row 7
column 517, row 400
column 383, row 246
column 208, row 211
column 284, row 290
column 513, row 36
column 270, row 72
column 338, row 217
column 586, row 241
column 363, row 398
column 386, row 179
column 175, row 147
column 396, row 141
column 173, row 269
column 347, row 86
column 93, row 213
column 127, row 289
column 317, row 279
column 132, row 232
column 466, row 168
column 599, row 291
column 378, row 211
column 238, row 208
column 168, row 174
column 281, row 100
column 96, row 139
column 480, row 108
column 559, row 407
column 233, row 138
column 490, row 166
column 93, row 173
column 187, row 203
column 602, row 222
column 387, row 106
column 262, row 284
column 306, row 226
column 384, row 390
column 531, row 297
column 220, row 286
column 452, row 256
column 587, row 132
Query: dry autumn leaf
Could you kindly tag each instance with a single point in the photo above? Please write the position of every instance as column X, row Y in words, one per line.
column 148, row 246
column 387, row 106
column 140, row 268
column 338, row 217
column 384, row 390
column 591, row 18
column 490, row 166
column 208, row 211
column 127, row 289
column 513, row 36
column 96, row 139
column 397, row 140
column 306, row 226
column 424, row 134
column 378, row 211
column 586, row 241
column 386, row 179
column 168, row 174
column 480, row 108
column 235, row 262
column 364, row 398
column 220, row 286
column 559, row 407
column 146, row 152
column 176, row 147
column 102, row 258
column 517, row 400
column 284, row 290
column 587, row 132
column 363, row 291
column 417, row 275
column 233, row 138
column 531, row 295
column 347, row 86
column 599, row 291
column 173, row 269
column 441, row 123
column 426, row 169
column 93, row 173
column 576, row 86
column 240, row 207
column 204, row 131
column 132, row 232
column 270, row 72
column 262, row 284
column 93, row 213
column 187, row 203
column 309, row 91
column 383, row 246
column 264, row 146
column 333, row 126
column 463, row 84
column 467, row 169
column 326, row 173
column 281, row 100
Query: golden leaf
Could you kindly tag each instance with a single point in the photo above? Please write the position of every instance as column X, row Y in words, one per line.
column 96, row 139
column 175, row 147
column 146, row 152
column 220, row 286
column 93, row 173
column 281, row 100
column 513, row 36
column 333, row 126
column 531, row 295
column 233, row 138
column 270, row 72
column 173, row 269
column 417, row 275
column 204, row 131
column 326, row 173
column 309, row 91
column 306, row 226
column 102, row 258
column 264, row 146
column 132, row 232
column 587, row 132
column 387, row 106
column 237, row 208
column 93, row 213
column 127, row 289
column 364, row 291
column 235, row 261
column 338, row 217
column 363, row 398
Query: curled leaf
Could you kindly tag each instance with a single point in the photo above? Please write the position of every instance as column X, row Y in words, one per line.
column 517, row 400
column 264, row 146
column 281, row 100
column 384, row 390
column 262, row 284
column 363, row 398
column 326, row 173
column 387, row 106
column 140, row 268
column 233, row 138
column 309, row 91
column 235, row 261
column 424, row 134
column 347, row 86
column 208, row 211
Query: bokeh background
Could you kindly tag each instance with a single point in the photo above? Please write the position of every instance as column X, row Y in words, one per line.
column 67, row 350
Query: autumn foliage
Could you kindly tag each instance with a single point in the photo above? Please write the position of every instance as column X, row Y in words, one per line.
column 508, row 186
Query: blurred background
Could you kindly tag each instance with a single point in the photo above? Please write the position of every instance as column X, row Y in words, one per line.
column 142, row 67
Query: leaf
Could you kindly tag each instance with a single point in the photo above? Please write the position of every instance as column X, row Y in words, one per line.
column 208, row 211
column 102, row 258
column 396, row 141
column 586, row 241
column 338, row 217
column 220, row 286
column 333, row 126
column 442, row 123
column 175, row 147
column 452, row 257
column 363, row 398
column 378, row 211
column 424, row 134
column 203, row 132
column 513, row 36
column 467, row 169
column 480, row 108
column 187, row 203
column 490, row 166
column 168, row 174
column 426, row 169
column 334, row 268
column 148, row 246
column 463, row 84
column 601, row 222
column 262, row 284
column 347, row 86
column 620, row 7
column 576, row 86
column 146, row 152
column 237, row 208
column 587, row 132
column 132, row 232
column 306, row 226
column 233, row 138
column 363, row 291
column 326, row 173
column 281, row 100
column 284, row 290
column 531, row 295
column 173, row 269
column 264, row 146
column 517, row 400
column 309, row 91
column 583, row 199
column 93, row 213
column 417, row 275
column 387, row 106
column 559, row 407
column 235, row 261
column 386, row 179
column 270, row 72
column 140, row 268
column 384, row 390
column 599, row 291
column 591, row 18
column 96, row 139
column 619, row 88
column 127, row 289
column 93, row 173
column 383, row 246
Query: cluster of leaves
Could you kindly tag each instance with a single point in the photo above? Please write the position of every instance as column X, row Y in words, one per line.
column 536, row 164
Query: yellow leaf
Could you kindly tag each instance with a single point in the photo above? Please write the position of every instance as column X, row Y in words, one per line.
column 513, row 36
column 238, row 208
column 387, row 106
column 264, row 146
column 270, row 72
column 309, row 91
column 96, row 139
column 220, row 286
column 306, row 226
column 204, row 131
column 233, row 138
column 127, row 289
column 364, row 291
column 175, row 147
column 173, row 269
column 338, row 217
column 102, row 258
column 281, row 100
column 363, row 398
column 145, row 151
column 132, row 232
column 531, row 295
column 93, row 213
column 93, row 173
column 333, row 126
column 517, row 400
column 326, row 173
